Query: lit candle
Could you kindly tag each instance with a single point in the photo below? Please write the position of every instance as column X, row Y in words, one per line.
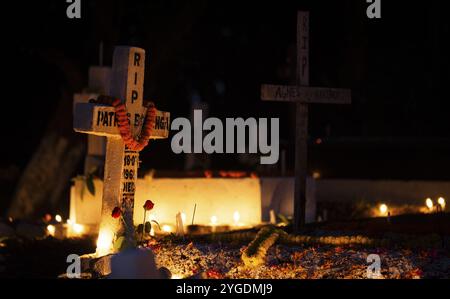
column 236, row 217
column 429, row 203
column 166, row 228
column 104, row 242
column 441, row 202
column 78, row 228
column 383, row 209
column 51, row 230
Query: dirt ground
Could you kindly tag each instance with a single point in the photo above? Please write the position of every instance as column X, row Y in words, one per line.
column 195, row 257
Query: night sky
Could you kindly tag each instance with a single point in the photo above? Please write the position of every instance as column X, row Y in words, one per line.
column 398, row 68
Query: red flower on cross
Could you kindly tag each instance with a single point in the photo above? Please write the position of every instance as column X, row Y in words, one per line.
column 148, row 205
column 116, row 213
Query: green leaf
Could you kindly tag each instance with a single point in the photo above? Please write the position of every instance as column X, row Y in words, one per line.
column 90, row 184
column 148, row 227
column 159, row 227
column 118, row 244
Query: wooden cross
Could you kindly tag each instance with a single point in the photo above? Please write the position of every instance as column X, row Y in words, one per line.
column 121, row 164
column 303, row 95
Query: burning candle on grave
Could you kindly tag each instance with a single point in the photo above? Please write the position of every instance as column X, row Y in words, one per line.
column 58, row 218
column 166, row 228
column 383, row 209
column 429, row 204
column 104, row 242
column 213, row 223
column 441, row 202
column 78, row 229
column 236, row 218
column 51, row 229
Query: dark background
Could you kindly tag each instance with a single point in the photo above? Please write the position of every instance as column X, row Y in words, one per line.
column 221, row 51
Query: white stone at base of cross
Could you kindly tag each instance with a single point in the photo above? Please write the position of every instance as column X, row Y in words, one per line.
column 121, row 164
column 303, row 95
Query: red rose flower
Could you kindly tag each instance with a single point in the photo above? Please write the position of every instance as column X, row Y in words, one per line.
column 148, row 205
column 116, row 212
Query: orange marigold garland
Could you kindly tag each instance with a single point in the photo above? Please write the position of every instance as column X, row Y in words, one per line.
column 125, row 128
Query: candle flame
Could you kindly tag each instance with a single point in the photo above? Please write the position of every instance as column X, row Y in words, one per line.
column 51, row 230
column 429, row 203
column 78, row 228
column 441, row 202
column 166, row 228
column 383, row 209
column 104, row 242
column 236, row 217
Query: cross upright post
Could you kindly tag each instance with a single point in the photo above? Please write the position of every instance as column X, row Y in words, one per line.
column 303, row 95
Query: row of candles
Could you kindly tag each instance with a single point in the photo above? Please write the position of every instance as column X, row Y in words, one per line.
column 439, row 205
column 214, row 222
column 105, row 236
column 73, row 229
column 76, row 229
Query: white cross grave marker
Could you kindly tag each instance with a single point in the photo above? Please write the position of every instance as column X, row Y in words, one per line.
column 99, row 80
column 121, row 164
column 302, row 96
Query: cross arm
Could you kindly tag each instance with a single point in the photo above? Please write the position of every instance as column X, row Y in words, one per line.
column 100, row 120
column 304, row 94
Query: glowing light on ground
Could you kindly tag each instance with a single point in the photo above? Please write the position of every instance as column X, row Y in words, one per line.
column 429, row 203
column 150, row 217
column 166, row 228
column 58, row 218
column 441, row 202
column 383, row 209
column 104, row 242
column 220, row 197
column 78, row 228
column 236, row 217
column 51, row 230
